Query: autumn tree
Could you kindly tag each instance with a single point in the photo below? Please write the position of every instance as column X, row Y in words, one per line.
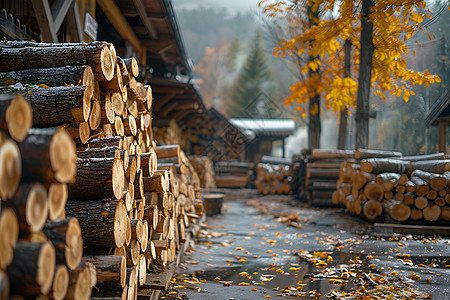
column 253, row 79
column 393, row 21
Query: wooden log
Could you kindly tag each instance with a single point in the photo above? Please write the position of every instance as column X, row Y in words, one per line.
column 132, row 66
column 422, row 187
column 149, row 163
column 416, row 214
column 421, row 202
column 16, row 116
column 49, row 156
column 409, row 198
column 30, row 205
column 60, row 283
column 105, row 152
column 58, row 76
column 398, row 196
column 370, row 153
column 322, row 173
column 9, row 228
column 383, row 165
column 97, row 178
column 115, row 84
column 439, row 201
column 103, row 223
column 388, row 180
column 372, row 209
column 39, row 55
column 432, row 166
column 59, row 105
column 111, row 272
column 359, row 179
column 436, row 181
column 65, row 234
column 142, row 269
column 432, row 194
column 373, row 191
column 410, row 187
column 157, row 183
column 431, row 212
column 114, row 141
column 445, row 213
column 80, row 285
column 96, row 115
column 168, row 151
column 397, row 210
column 31, row 271
column 4, row 285
column 414, row 158
column 57, row 198
column 10, row 168
column 328, row 153
column 151, row 215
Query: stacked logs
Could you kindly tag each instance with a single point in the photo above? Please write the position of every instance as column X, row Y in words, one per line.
column 167, row 132
column 232, row 174
column 124, row 204
column 212, row 135
column 204, row 167
column 407, row 189
column 273, row 178
column 40, row 249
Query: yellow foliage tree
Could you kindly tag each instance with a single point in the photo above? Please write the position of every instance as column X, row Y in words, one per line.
column 394, row 22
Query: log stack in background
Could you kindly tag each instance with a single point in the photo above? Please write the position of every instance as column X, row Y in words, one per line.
column 273, row 179
column 233, row 174
column 131, row 210
column 205, row 170
column 412, row 190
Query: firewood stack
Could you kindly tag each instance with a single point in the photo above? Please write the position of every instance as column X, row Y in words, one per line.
column 121, row 202
column 40, row 249
column 233, row 174
column 167, row 132
column 413, row 189
column 204, row 167
column 273, row 179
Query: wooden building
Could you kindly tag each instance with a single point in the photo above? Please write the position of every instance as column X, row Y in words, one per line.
column 266, row 132
column 439, row 115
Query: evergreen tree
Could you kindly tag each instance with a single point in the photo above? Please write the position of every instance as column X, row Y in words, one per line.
column 252, row 80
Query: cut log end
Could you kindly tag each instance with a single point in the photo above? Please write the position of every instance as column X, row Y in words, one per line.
column 62, row 156
column 431, row 212
column 10, row 169
column 74, row 244
column 57, row 198
column 123, row 272
column 107, row 63
column 46, row 267
column 120, row 224
column 83, row 287
column 60, row 282
column 118, row 178
column 36, row 210
column 84, row 132
column 96, row 115
column 19, row 118
column 9, row 227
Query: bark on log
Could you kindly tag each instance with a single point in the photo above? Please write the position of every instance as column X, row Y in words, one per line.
column 39, row 55
column 60, row 105
column 324, row 153
column 10, row 168
column 4, row 285
column 359, row 179
column 383, row 165
column 65, row 234
column 410, row 187
column 48, row 155
column 436, row 181
column 9, row 228
column 414, row 158
column 103, row 223
column 30, row 204
column 98, row 178
column 16, row 116
column 57, row 199
column 388, row 180
column 397, row 210
column 114, row 141
column 432, row 166
column 149, row 163
column 132, row 66
column 157, row 183
column 168, row 151
column 80, row 284
column 422, row 187
column 111, row 272
column 31, row 271
column 370, row 153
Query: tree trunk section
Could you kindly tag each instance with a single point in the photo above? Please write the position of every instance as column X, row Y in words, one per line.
column 369, row 153
column 372, row 209
column 431, row 212
column 11, row 168
column 16, row 116
column 373, row 191
column 383, row 165
column 60, row 283
column 57, row 199
column 397, row 210
column 9, row 228
column 436, row 181
column 111, row 272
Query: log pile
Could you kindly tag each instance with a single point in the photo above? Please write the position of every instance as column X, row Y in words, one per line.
column 167, row 132
column 132, row 201
column 273, row 179
column 232, row 174
column 212, row 135
column 40, row 249
column 205, row 170
column 411, row 190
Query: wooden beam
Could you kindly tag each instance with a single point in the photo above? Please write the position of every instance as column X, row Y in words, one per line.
column 166, row 109
column 442, row 136
column 158, row 103
column 119, row 22
column 183, row 113
column 59, row 11
column 74, row 24
column 45, row 20
column 139, row 4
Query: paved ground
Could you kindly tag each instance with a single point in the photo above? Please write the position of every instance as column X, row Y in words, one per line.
column 246, row 253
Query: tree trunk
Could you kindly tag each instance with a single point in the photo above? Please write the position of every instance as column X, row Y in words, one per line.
column 397, row 210
column 328, row 153
column 16, row 116
column 436, row 181
column 103, row 223
column 29, row 55
column 80, row 285
column 65, row 234
column 98, row 178
column 31, row 271
column 114, row 141
column 432, row 166
column 11, row 168
column 30, row 204
column 388, row 181
column 382, row 165
column 369, row 153
column 111, row 272
column 364, row 77
column 49, row 156
column 417, row 158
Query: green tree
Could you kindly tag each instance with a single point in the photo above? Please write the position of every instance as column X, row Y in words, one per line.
column 253, row 79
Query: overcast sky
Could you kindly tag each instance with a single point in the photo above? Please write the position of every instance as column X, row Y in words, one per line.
column 231, row 5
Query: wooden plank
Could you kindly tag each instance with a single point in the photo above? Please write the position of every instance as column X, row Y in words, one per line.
column 160, row 281
column 45, row 20
column 442, row 134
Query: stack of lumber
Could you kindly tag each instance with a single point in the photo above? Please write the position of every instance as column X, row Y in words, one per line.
column 273, row 179
column 167, row 132
column 40, row 249
column 213, row 136
column 413, row 189
column 233, row 174
column 131, row 211
column 205, row 170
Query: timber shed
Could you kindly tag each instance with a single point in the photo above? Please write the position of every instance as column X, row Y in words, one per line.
column 439, row 115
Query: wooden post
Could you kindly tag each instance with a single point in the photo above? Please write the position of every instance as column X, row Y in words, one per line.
column 442, row 135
